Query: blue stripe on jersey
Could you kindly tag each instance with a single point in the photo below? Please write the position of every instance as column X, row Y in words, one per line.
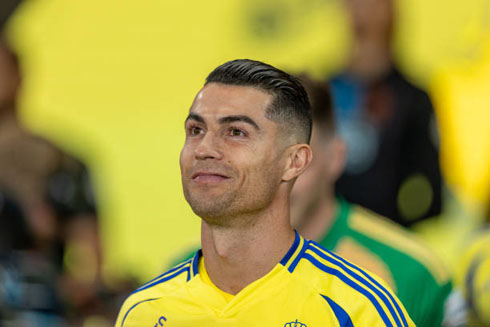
column 348, row 281
column 165, row 273
column 133, row 306
column 342, row 263
column 342, row 316
column 166, row 278
column 195, row 262
column 291, row 250
column 306, row 244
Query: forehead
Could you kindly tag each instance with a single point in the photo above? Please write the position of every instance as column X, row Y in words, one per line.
column 221, row 100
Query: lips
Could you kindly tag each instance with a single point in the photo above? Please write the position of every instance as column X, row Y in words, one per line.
column 203, row 177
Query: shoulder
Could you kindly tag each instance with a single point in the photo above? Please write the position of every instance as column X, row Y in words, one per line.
column 362, row 295
column 396, row 76
column 140, row 303
column 404, row 243
column 412, row 94
column 176, row 275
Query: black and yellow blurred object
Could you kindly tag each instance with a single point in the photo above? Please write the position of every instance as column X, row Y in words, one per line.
column 473, row 277
column 112, row 81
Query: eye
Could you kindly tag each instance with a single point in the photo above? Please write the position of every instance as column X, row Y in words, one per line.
column 195, row 130
column 233, row 131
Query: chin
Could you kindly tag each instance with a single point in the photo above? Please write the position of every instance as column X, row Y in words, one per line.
column 209, row 205
column 213, row 216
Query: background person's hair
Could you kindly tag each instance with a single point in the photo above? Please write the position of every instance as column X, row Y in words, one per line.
column 321, row 103
column 290, row 105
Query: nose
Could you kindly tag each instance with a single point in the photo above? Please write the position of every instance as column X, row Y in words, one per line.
column 208, row 148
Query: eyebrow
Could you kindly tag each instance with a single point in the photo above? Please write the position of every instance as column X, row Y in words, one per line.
column 195, row 117
column 239, row 118
column 226, row 119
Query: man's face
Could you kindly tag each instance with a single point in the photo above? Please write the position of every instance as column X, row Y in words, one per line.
column 231, row 157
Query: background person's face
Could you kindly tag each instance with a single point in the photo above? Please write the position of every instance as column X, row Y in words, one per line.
column 317, row 182
column 308, row 190
column 230, row 160
column 370, row 16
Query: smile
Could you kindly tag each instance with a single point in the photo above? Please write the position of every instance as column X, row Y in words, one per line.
column 208, row 178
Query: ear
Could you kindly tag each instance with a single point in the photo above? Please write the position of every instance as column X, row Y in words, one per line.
column 299, row 158
column 337, row 158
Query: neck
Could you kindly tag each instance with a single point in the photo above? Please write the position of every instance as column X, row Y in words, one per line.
column 371, row 57
column 234, row 257
column 321, row 218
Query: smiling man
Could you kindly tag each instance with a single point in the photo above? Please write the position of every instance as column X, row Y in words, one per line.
column 247, row 136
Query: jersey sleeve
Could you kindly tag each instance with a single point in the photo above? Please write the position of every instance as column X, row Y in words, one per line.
column 429, row 300
column 382, row 308
column 136, row 311
column 364, row 297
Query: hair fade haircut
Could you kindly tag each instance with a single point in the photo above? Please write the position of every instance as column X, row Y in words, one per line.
column 290, row 105
column 321, row 103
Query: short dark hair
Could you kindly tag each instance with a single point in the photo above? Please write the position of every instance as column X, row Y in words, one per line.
column 321, row 103
column 290, row 104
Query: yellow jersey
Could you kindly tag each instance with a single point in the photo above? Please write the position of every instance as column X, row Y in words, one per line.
column 309, row 287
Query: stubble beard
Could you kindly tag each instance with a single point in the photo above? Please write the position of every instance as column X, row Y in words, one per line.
column 212, row 209
column 233, row 207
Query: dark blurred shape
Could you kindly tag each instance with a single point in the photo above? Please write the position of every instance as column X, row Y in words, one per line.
column 14, row 232
column 388, row 124
column 7, row 7
column 50, row 249
column 28, row 276
column 69, row 189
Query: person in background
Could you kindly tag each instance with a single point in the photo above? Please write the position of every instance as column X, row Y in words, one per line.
column 50, row 256
column 358, row 234
column 388, row 124
column 29, row 270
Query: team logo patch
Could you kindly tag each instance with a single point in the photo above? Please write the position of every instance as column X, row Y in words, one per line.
column 295, row 323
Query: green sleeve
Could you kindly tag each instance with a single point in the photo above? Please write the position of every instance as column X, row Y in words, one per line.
column 425, row 302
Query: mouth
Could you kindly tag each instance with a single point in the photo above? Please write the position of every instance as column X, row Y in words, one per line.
column 208, row 177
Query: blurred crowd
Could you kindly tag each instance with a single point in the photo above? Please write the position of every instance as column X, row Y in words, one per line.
column 387, row 161
column 50, row 250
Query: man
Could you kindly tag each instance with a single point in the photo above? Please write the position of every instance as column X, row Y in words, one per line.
column 361, row 236
column 388, row 123
column 246, row 143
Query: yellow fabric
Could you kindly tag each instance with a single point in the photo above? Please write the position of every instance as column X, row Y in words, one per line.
column 473, row 277
column 462, row 101
column 364, row 257
column 294, row 291
column 206, row 280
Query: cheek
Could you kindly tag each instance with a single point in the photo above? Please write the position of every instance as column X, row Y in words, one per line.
column 253, row 171
column 269, row 170
column 184, row 158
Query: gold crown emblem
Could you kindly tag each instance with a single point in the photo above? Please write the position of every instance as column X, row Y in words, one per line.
column 295, row 323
